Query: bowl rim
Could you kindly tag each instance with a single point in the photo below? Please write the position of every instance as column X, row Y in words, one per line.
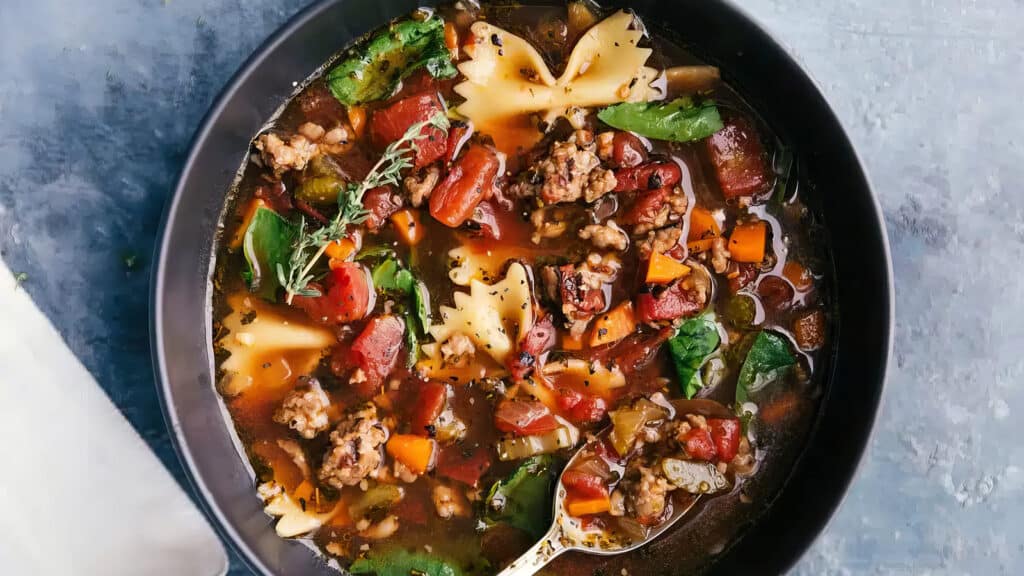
column 184, row 450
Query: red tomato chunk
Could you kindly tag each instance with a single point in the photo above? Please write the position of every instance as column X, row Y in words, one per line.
column 391, row 123
column 429, row 404
column 537, row 341
column 581, row 408
column 648, row 176
column 375, row 353
column 524, row 417
column 465, row 465
column 699, row 444
column 583, row 484
column 726, row 434
column 346, row 299
column 628, row 150
column 739, row 160
column 671, row 303
column 470, row 180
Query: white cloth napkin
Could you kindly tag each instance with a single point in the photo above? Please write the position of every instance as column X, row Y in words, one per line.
column 80, row 492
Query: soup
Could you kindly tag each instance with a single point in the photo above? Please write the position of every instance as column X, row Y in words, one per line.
column 486, row 237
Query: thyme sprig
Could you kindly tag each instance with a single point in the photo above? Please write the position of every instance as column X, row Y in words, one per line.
column 310, row 245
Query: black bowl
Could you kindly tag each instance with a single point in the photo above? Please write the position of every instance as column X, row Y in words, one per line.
column 751, row 61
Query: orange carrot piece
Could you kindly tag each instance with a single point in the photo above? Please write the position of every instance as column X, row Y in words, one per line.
column 588, row 506
column 746, row 244
column 340, row 249
column 407, row 224
column 664, row 269
column 415, row 452
column 702, row 225
column 698, row 246
column 570, row 342
column 250, row 212
column 357, row 118
column 451, row 39
column 799, row 276
column 614, row 325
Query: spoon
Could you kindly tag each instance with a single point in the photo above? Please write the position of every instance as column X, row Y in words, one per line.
column 566, row 534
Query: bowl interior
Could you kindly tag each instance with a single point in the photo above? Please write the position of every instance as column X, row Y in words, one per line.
column 751, row 61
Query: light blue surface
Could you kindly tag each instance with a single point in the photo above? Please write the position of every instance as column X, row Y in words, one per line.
column 99, row 99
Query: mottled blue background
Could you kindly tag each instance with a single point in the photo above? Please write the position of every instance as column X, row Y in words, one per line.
column 99, row 99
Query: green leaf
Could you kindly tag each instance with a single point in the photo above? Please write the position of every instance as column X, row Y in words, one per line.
column 421, row 301
column 412, row 342
column 398, row 562
column 373, row 70
column 678, row 121
column 267, row 244
column 694, row 341
column 767, row 360
column 389, row 275
column 524, row 499
column 376, row 252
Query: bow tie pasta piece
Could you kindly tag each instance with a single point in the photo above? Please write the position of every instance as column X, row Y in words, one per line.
column 506, row 77
column 267, row 348
column 494, row 317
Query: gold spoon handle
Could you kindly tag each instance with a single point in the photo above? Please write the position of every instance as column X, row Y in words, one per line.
column 538, row 556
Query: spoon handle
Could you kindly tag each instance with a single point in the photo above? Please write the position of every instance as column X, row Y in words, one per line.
column 538, row 556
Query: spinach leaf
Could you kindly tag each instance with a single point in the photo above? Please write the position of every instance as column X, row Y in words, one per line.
column 398, row 562
column 767, row 360
column 389, row 275
column 678, row 121
column 267, row 244
column 372, row 70
column 524, row 499
column 421, row 301
column 693, row 342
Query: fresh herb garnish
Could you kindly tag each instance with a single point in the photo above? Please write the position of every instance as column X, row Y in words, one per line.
column 523, row 500
column 680, row 120
column 695, row 340
column 398, row 562
column 20, row 279
column 309, row 246
column 266, row 246
column 767, row 360
column 373, row 70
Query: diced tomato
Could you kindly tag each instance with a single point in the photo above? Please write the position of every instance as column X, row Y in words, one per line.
column 470, row 180
column 646, row 207
column 649, row 176
column 726, row 434
column 699, row 445
column 775, row 293
column 746, row 274
column 671, row 303
column 583, row 484
column 581, row 408
column 537, row 341
column 458, row 135
column 628, row 150
column 391, row 123
column 381, row 203
column 375, row 352
column 429, row 404
column 739, row 160
column 635, row 352
column 344, row 298
column 524, row 417
column 464, row 465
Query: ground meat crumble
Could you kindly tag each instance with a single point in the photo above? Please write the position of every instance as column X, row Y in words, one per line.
column 304, row 409
column 355, row 452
